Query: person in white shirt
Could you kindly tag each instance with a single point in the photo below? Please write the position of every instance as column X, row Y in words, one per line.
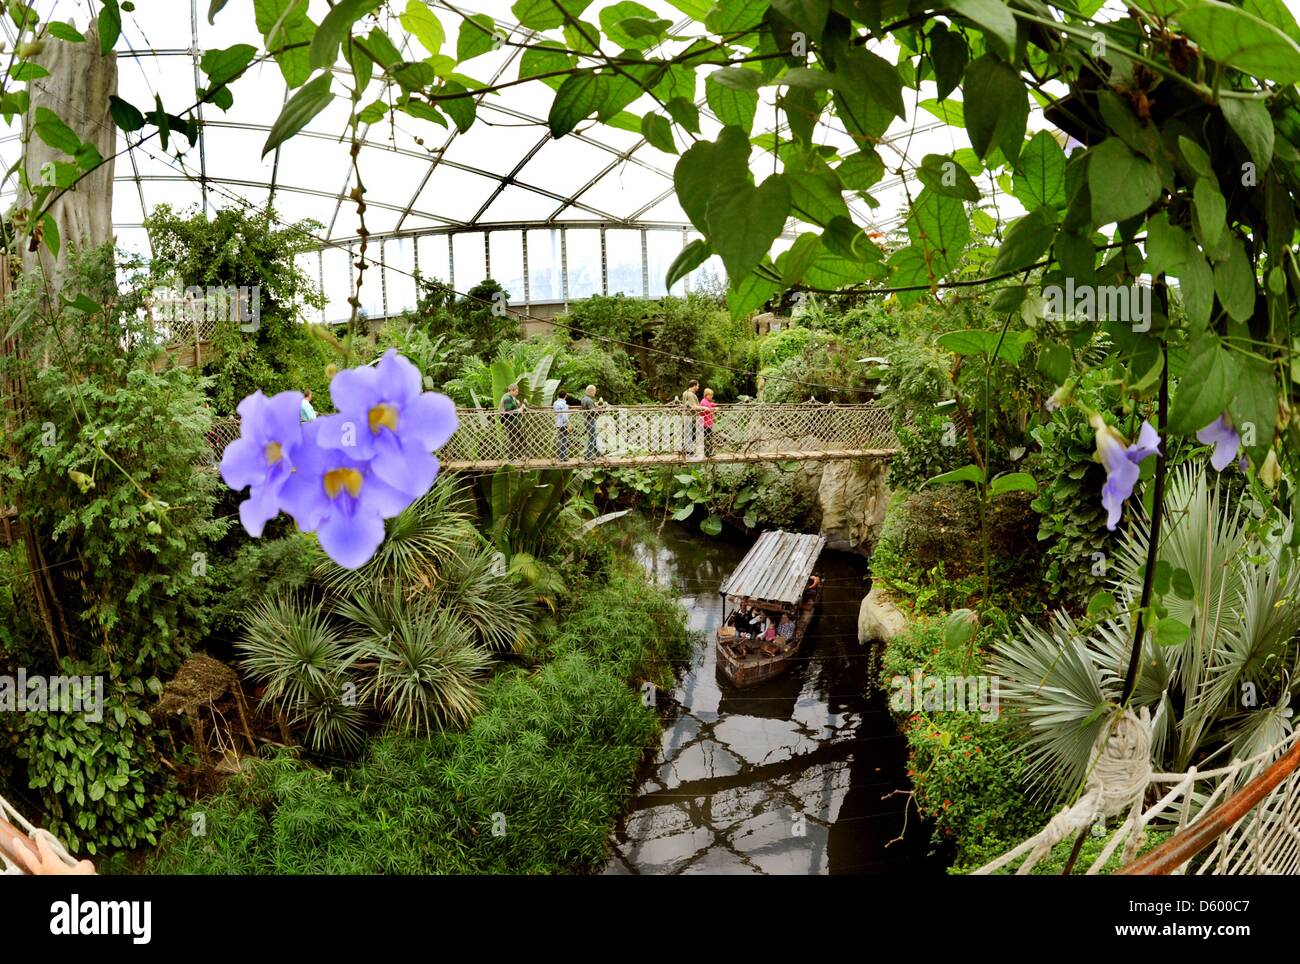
column 305, row 411
column 561, row 407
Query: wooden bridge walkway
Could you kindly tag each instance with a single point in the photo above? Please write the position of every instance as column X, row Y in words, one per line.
column 648, row 435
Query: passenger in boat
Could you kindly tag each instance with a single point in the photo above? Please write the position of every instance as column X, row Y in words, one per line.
column 769, row 630
column 735, row 619
column 786, row 628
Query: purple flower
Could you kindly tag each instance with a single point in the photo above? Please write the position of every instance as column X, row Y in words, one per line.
column 387, row 420
column 341, row 499
column 263, row 455
column 1121, row 463
column 1225, row 440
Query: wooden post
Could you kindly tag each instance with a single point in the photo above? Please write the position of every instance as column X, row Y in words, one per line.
column 238, row 691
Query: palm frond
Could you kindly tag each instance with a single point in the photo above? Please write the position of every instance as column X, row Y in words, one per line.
column 423, row 667
column 420, row 541
column 292, row 649
column 332, row 720
column 1243, row 610
column 480, row 590
column 1052, row 679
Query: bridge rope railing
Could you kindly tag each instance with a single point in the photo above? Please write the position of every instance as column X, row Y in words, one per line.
column 629, row 435
column 1255, row 830
column 1239, row 818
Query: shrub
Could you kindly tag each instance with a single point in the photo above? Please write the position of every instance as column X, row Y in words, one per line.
column 114, row 473
column 238, row 247
column 779, row 346
column 99, row 784
column 930, row 551
column 968, row 773
column 614, row 316
column 532, row 785
column 930, row 445
column 261, row 569
column 785, row 501
column 631, row 626
column 612, row 373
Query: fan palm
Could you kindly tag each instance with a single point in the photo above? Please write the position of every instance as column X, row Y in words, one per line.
column 333, row 720
column 303, row 661
column 420, row 664
column 477, row 588
column 292, row 649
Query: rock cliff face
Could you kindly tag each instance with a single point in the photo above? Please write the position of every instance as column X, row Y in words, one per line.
column 852, row 498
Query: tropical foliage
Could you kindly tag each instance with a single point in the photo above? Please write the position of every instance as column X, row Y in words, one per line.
column 1218, row 667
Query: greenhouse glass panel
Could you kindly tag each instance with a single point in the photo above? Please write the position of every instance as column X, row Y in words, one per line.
column 584, row 263
column 470, row 262
column 508, row 263
column 544, row 262
column 623, row 256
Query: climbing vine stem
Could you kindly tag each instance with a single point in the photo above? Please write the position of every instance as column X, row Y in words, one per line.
column 1157, row 510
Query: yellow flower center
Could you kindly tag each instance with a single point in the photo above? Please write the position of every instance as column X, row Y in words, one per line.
column 383, row 415
column 273, row 452
column 336, row 480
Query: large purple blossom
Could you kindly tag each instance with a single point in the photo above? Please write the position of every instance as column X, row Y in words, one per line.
column 341, row 499
column 262, row 458
column 341, row 476
column 1224, row 438
column 1121, row 463
column 385, row 418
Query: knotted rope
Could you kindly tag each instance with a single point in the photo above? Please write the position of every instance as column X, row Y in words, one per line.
column 10, row 815
column 1119, row 770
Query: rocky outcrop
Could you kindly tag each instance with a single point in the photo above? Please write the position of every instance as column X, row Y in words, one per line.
column 852, row 499
column 879, row 620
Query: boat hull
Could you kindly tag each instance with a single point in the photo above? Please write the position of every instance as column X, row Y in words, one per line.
column 743, row 670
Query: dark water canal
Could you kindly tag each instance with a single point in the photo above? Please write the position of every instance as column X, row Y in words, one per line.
column 792, row 776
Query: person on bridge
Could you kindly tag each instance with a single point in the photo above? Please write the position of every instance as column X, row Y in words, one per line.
column 691, row 409
column 561, row 407
column 590, row 405
column 706, row 419
column 512, row 409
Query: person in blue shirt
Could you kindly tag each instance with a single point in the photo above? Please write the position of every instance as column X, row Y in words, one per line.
column 305, row 412
column 561, row 407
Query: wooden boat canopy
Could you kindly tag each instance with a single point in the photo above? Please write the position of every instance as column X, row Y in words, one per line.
column 776, row 569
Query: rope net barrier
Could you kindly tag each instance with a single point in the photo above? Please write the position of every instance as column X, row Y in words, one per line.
column 653, row 434
column 1263, row 840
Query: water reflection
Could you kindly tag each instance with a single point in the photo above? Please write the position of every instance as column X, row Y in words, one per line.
column 793, row 776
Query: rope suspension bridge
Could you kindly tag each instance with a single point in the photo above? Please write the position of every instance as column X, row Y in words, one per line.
column 648, row 435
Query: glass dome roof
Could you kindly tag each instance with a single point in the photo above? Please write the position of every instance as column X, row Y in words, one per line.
column 551, row 220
